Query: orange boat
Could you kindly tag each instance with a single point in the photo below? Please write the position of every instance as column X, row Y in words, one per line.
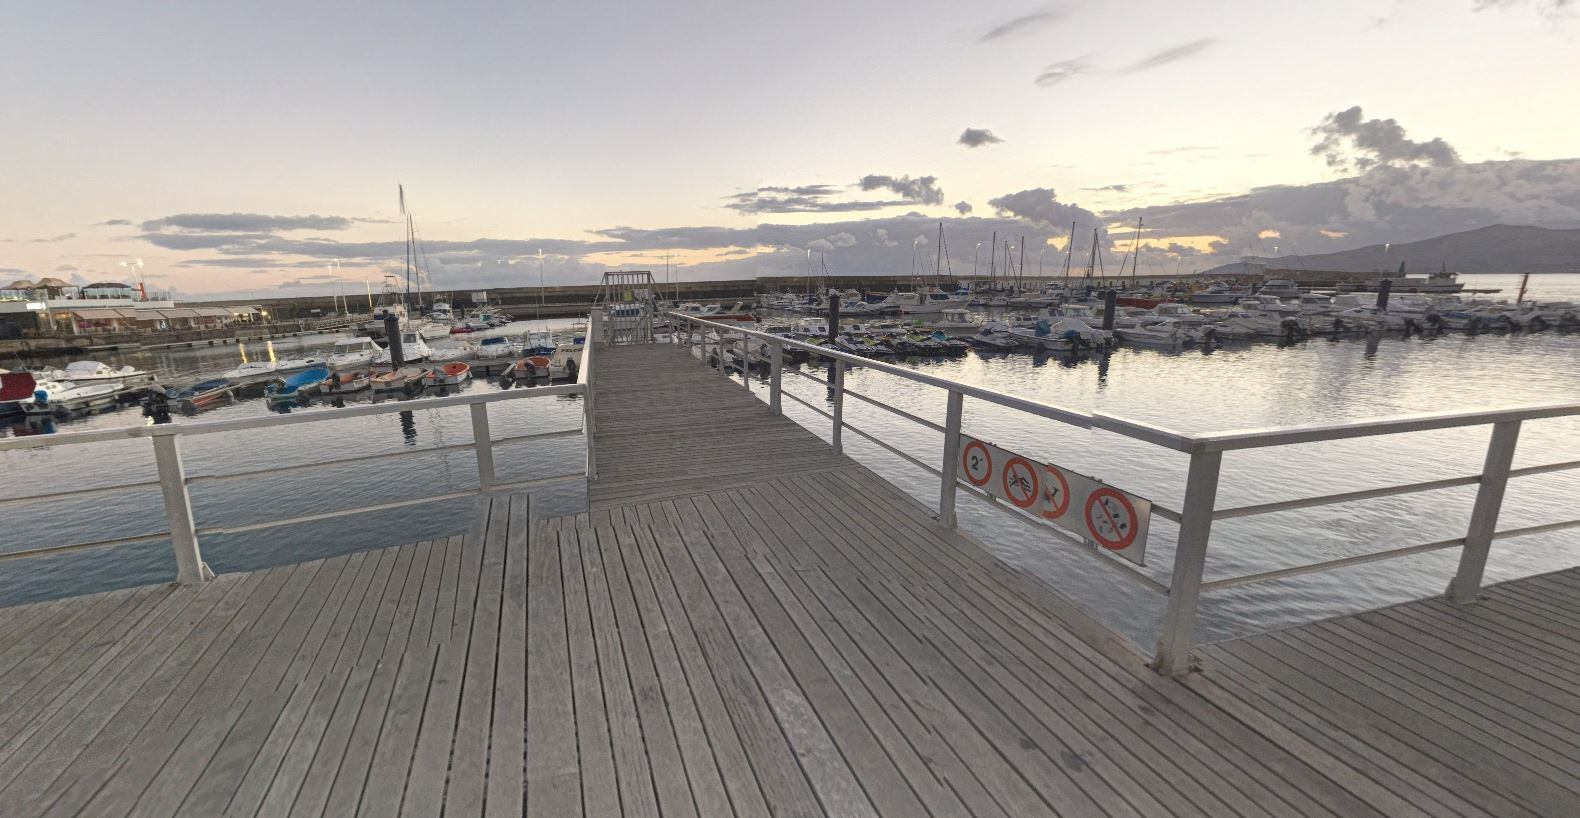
column 453, row 373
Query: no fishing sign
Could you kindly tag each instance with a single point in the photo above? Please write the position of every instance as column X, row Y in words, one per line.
column 1092, row 510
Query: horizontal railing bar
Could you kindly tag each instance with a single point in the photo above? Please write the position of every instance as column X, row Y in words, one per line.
column 500, row 488
column 791, row 395
column 901, row 412
column 60, row 549
column 201, row 478
column 1345, row 497
column 1535, row 529
column 1544, row 469
column 893, row 450
column 1124, row 568
column 317, row 416
column 538, row 436
column 1166, row 513
column 56, row 495
column 1257, row 438
column 1359, row 559
column 810, row 377
column 330, row 515
column 1032, row 407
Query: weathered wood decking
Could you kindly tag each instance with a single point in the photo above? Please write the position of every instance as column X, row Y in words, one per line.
column 799, row 638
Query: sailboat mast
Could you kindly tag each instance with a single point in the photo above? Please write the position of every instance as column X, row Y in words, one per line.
column 406, row 302
column 1091, row 264
column 1069, row 255
column 1023, row 263
column 993, row 265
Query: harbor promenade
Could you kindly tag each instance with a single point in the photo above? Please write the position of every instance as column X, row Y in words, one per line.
column 746, row 622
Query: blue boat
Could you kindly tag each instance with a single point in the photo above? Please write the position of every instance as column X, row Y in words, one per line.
column 292, row 386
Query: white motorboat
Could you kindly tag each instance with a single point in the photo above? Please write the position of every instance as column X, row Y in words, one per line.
column 993, row 335
column 84, row 373
column 292, row 364
column 920, row 302
column 412, row 348
column 451, row 352
column 1162, row 333
column 60, row 398
column 1219, row 294
column 352, row 353
column 1280, row 288
column 954, row 321
column 1257, row 323
column 1269, row 303
column 1060, row 334
column 497, row 346
column 433, row 330
column 249, row 369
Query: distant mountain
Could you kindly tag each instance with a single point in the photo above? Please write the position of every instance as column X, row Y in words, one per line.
column 1501, row 248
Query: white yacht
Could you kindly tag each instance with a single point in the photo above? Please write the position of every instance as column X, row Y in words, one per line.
column 930, row 300
column 91, row 372
column 412, row 348
column 351, row 353
column 249, row 369
column 1280, row 288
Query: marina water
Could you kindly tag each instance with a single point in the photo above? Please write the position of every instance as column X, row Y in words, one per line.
column 1234, row 387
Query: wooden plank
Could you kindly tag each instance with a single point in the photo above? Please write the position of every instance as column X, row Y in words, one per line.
column 554, row 769
column 293, row 630
column 430, row 762
column 444, row 604
column 346, row 590
column 326, row 657
column 301, row 787
column 507, row 740
column 355, row 761
column 254, row 783
column 469, row 764
column 383, row 619
column 735, row 769
column 216, row 785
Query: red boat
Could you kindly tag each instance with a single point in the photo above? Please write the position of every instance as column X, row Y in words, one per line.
column 1143, row 302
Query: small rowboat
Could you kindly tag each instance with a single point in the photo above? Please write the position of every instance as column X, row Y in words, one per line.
column 525, row 370
column 347, row 382
column 296, row 384
column 453, row 373
column 398, row 380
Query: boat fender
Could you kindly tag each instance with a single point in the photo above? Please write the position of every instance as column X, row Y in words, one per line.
column 41, row 398
column 1071, row 335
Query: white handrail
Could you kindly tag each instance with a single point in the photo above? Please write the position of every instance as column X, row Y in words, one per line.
column 1199, row 510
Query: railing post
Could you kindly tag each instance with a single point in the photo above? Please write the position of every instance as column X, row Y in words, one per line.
column 951, row 464
column 190, row 568
column 776, row 360
column 483, row 445
column 594, row 325
column 1190, row 558
column 1466, row 584
column 838, row 384
column 746, row 361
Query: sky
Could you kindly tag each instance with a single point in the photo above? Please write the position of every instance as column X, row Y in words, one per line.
column 256, row 148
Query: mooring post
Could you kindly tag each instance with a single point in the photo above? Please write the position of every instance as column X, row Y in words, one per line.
column 483, row 444
column 838, row 385
column 190, row 568
column 392, row 333
column 1466, row 584
column 1190, row 558
column 776, row 360
column 951, row 464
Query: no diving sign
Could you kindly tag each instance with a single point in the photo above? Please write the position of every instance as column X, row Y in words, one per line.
column 1092, row 510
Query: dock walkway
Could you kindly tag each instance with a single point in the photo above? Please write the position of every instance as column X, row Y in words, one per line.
column 747, row 623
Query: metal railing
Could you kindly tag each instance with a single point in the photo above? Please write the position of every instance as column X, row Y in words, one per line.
column 173, row 481
column 1199, row 509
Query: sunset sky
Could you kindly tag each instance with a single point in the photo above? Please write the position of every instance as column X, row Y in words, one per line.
column 242, row 148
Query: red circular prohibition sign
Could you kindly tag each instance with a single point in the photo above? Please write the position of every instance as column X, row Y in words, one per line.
column 1094, row 503
column 1021, row 491
column 987, row 457
column 1061, row 503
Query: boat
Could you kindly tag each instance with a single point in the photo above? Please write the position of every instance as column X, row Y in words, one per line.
column 340, row 382
column 61, row 398
column 295, row 385
column 450, row 352
column 84, row 373
column 1269, row 304
column 433, row 330
column 454, row 373
column 924, row 301
column 201, row 395
column 292, row 364
column 407, row 379
column 1218, row 293
column 717, row 312
column 249, row 369
column 412, row 348
column 1157, row 334
column 994, row 335
column 954, row 320
column 497, row 346
column 1061, row 333
column 1434, row 283
column 15, row 387
column 538, row 342
column 1280, row 288
column 353, row 353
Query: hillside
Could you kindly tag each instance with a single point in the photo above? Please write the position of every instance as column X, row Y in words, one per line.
column 1500, row 248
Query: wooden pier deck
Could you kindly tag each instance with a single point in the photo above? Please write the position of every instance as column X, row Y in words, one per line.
column 795, row 639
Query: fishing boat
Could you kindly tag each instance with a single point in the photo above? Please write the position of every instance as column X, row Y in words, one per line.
column 201, row 395
column 352, row 353
column 454, row 373
column 84, row 373
column 295, row 385
column 406, row 379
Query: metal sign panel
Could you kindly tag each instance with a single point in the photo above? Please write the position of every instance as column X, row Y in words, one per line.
column 1089, row 508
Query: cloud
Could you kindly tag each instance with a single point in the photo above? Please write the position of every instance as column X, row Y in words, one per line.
column 842, row 240
column 1109, row 188
column 67, row 268
column 977, row 137
column 1172, row 55
column 963, row 208
column 1185, row 149
column 1553, row 9
column 1040, row 206
column 1347, row 141
column 244, row 223
column 1062, row 71
column 922, row 190
column 114, row 223
column 1024, row 24
column 801, row 199
column 61, row 237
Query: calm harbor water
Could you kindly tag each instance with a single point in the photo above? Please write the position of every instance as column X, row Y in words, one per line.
column 1233, row 387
